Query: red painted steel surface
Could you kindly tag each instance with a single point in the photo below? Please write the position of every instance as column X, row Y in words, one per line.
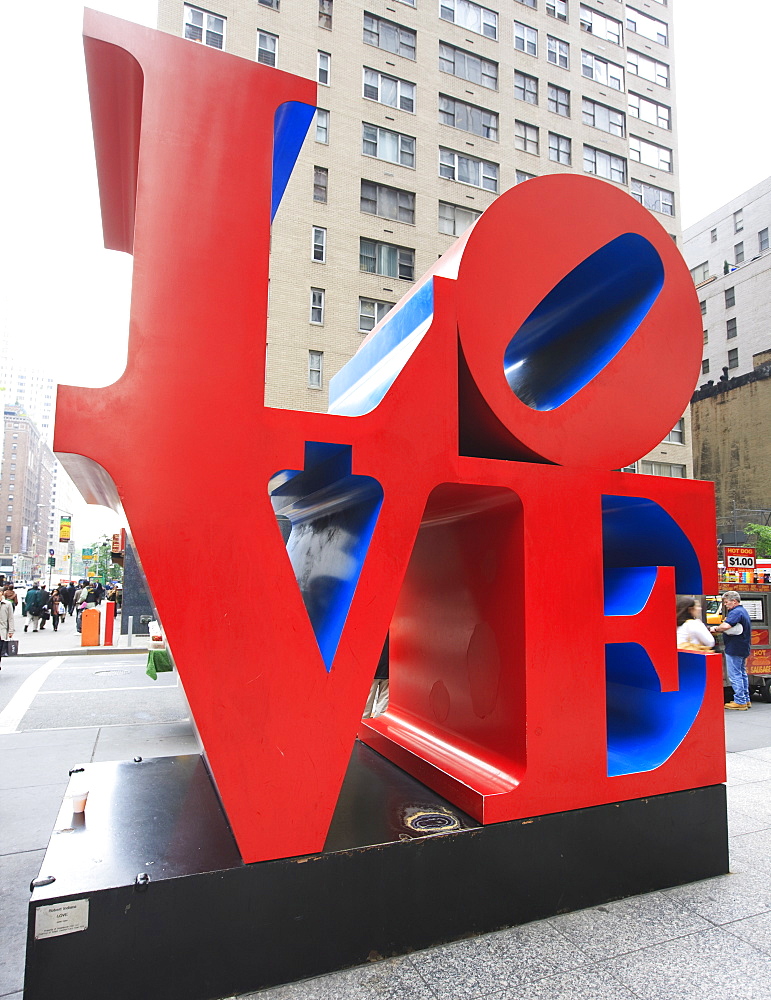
column 498, row 696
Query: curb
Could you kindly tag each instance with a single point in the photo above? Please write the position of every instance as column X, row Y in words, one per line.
column 86, row 651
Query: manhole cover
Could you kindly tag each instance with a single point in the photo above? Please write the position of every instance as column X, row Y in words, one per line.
column 111, row 670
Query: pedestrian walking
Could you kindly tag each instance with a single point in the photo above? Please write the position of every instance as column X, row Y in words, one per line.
column 45, row 612
column 32, row 608
column 6, row 621
column 55, row 606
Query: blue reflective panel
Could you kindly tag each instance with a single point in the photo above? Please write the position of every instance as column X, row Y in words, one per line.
column 583, row 322
column 646, row 726
column 636, row 532
column 290, row 125
column 627, row 590
column 362, row 383
column 332, row 515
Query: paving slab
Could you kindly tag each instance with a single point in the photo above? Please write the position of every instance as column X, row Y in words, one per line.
column 594, row 983
column 742, row 768
column 393, row 979
column 29, row 815
column 30, row 766
column 492, row 963
column 712, row 964
column 629, row 924
column 725, row 898
column 16, row 873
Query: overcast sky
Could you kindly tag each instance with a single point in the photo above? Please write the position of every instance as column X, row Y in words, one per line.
column 64, row 300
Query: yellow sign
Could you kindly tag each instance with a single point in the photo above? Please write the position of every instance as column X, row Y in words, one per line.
column 65, row 528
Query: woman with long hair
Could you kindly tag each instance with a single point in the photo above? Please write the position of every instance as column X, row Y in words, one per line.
column 691, row 630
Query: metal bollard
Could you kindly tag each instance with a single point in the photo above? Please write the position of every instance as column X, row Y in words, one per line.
column 130, row 630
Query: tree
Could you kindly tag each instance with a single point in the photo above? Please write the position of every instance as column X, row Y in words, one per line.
column 762, row 538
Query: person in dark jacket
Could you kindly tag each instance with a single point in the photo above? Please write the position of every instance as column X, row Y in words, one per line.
column 32, row 608
column 736, row 628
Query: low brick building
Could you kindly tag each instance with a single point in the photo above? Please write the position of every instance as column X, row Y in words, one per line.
column 731, row 426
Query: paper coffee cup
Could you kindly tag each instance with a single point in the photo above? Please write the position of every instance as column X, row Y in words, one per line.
column 78, row 800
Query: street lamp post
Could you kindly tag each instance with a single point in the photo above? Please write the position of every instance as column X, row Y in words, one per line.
column 51, row 551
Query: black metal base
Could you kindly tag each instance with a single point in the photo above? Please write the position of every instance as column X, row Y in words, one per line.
column 402, row 870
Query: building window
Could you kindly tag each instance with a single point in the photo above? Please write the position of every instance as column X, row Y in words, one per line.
column 386, row 145
column 389, row 90
column 468, row 170
column 454, row 220
column 648, row 27
column 602, row 70
column 467, row 66
column 468, row 117
column 703, row 307
column 730, row 297
column 730, row 328
column 705, row 336
column 315, row 369
column 654, row 198
column 319, row 245
column 325, row 14
column 677, row 434
column 604, row 27
column 700, row 272
column 320, row 182
column 559, row 100
column 525, row 87
column 525, row 39
column 526, row 137
column 387, row 202
column 371, row 311
column 601, row 116
column 559, row 148
column 557, row 52
column 650, row 153
column 713, row 235
column 322, row 126
column 471, row 16
column 522, row 176
column 739, row 253
column 651, row 111
column 647, row 69
column 267, row 49
column 529, row 3
column 733, row 357
column 389, row 36
column 386, row 259
column 273, row 4
column 323, row 68
column 317, row 305
column 662, row 469
column 206, row 28
column 705, row 367
column 558, row 9
column 763, row 240
column 739, row 220
column 602, row 164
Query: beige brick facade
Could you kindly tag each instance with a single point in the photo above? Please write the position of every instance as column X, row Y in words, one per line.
column 300, row 37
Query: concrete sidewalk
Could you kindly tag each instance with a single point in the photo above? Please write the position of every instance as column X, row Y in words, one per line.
column 65, row 641
column 710, row 939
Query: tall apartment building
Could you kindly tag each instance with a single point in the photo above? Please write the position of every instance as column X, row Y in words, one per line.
column 30, row 387
column 729, row 256
column 428, row 109
column 26, row 481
